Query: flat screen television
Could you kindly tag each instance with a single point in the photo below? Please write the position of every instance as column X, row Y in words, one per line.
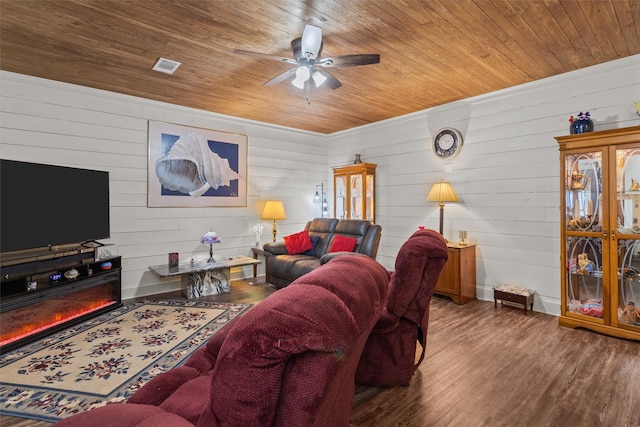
column 47, row 206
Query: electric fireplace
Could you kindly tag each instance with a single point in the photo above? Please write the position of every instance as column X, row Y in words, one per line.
column 44, row 295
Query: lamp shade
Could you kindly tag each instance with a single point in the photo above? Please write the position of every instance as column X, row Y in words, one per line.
column 302, row 75
column 442, row 192
column 318, row 78
column 210, row 237
column 274, row 209
column 317, row 198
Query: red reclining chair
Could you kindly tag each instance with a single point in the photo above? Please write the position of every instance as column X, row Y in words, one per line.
column 290, row 360
column 389, row 355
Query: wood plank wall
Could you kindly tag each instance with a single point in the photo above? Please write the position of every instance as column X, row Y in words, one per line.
column 506, row 174
column 50, row 122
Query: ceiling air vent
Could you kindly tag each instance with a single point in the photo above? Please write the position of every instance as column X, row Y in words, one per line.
column 167, row 66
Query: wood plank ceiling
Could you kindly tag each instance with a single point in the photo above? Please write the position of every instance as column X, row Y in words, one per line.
column 432, row 52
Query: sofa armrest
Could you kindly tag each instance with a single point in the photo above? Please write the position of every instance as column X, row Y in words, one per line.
column 162, row 386
column 331, row 255
column 275, row 248
column 201, row 362
column 124, row 414
column 371, row 241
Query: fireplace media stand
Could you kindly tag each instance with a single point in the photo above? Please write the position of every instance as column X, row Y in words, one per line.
column 43, row 294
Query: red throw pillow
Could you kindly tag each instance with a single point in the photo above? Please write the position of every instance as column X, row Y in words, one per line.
column 298, row 243
column 341, row 243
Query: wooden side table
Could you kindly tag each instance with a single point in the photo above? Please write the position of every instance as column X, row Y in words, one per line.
column 257, row 251
column 458, row 278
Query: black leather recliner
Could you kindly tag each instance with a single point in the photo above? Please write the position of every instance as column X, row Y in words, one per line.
column 282, row 268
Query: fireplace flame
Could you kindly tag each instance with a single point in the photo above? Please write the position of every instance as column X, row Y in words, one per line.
column 18, row 332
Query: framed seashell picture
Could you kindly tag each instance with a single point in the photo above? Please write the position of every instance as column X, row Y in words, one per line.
column 194, row 167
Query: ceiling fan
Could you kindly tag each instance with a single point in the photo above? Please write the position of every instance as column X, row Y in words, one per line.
column 309, row 65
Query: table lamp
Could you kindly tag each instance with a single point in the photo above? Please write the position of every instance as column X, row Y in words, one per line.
column 442, row 192
column 274, row 209
column 209, row 238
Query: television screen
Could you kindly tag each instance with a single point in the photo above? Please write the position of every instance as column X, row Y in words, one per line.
column 45, row 205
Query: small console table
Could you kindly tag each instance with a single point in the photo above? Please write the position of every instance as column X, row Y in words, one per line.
column 204, row 278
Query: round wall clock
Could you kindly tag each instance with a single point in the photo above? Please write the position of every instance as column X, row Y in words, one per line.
column 447, row 143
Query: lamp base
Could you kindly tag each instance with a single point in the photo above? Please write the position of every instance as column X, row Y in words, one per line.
column 210, row 253
column 442, row 221
column 274, row 230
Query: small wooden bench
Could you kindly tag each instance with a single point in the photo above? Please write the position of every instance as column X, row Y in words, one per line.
column 513, row 294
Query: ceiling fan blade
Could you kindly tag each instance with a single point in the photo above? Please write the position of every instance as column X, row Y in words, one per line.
column 296, row 49
column 331, row 82
column 350, row 60
column 280, row 77
column 311, row 41
column 265, row 56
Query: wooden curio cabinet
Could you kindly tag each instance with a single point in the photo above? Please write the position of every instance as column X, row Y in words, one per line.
column 354, row 189
column 600, row 231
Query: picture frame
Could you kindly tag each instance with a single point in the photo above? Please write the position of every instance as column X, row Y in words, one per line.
column 196, row 167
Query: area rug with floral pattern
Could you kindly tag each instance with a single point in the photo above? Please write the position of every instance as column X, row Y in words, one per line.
column 107, row 358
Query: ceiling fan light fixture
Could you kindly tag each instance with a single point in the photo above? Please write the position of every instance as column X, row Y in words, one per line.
column 302, row 75
column 308, row 63
column 311, row 41
column 318, row 78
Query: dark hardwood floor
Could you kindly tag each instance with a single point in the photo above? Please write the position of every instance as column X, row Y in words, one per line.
column 494, row 367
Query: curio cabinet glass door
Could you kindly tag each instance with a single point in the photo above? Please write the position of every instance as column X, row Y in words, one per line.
column 600, row 231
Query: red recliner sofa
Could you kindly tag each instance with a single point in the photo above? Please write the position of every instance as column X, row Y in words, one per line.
column 389, row 355
column 290, row 360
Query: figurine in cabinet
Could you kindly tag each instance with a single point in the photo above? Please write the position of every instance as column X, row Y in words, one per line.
column 592, row 307
column 631, row 313
column 578, row 181
column 585, row 265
